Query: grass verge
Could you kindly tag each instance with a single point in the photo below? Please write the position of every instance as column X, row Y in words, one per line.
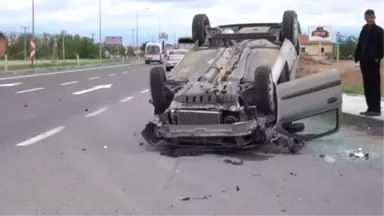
column 356, row 89
column 21, row 65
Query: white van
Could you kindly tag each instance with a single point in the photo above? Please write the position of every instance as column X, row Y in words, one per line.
column 153, row 53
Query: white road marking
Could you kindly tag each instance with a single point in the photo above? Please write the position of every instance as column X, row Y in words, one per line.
column 125, row 72
column 93, row 78
column 134, row 70
column 10, row 84
column 97, row 112
column 92, row 89
column 41, row 136
column 111, row 74
column 68, row 83
column 29, row 90
column 144, row 91
column 126, row 99
column 69, row 71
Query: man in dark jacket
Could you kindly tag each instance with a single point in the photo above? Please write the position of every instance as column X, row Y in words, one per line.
column 369, row 52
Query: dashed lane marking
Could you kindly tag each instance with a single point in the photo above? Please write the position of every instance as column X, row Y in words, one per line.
column 93, row 78
column 111, row 74
column 126, row 99
column 144, row 91
column 97, row 112
column 41, row 136
column 124, row 72
column 29, row 90
column 68, row 83
column 10, row 84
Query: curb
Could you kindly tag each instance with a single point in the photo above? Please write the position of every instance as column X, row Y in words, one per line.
column 359, row 120
column 57, row 69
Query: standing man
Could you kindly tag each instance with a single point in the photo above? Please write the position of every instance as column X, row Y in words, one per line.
column 368, row 53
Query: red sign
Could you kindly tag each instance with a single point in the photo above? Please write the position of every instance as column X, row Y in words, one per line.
column 3, row 45
column 320, row 32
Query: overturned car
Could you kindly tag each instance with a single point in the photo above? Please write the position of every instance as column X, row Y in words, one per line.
column 236, row 88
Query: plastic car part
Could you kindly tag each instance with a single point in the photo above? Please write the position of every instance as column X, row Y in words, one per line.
column 290, row 29
column 264, row 90
column 199, row 24
column 161, row 95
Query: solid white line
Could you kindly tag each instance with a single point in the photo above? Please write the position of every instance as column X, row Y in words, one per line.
column 97, row 112
column 29, row 90
column 9, row 84
column 93, row 78
column 68, row 83
column 126, row 99
column 144, row 91
column 69, row 71
column 111, row 74
column 41, row 136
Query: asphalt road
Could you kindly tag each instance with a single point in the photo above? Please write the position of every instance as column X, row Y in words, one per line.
column 66, row 153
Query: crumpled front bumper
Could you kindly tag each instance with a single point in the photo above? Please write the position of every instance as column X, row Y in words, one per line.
column 217, row 130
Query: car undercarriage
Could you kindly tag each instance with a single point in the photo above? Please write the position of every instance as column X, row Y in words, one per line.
column 224, row 94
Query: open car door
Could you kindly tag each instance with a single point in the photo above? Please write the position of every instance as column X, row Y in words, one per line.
column 314, row 101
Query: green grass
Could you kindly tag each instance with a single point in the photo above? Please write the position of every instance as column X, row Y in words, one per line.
column 356, row 89
column 21, row 64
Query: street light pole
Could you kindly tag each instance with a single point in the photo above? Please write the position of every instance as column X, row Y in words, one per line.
column 25, row 41
column 93, row 37
column 100, row 29
column 137, row 33
column 33, row 26
column 159, row 29
column 133, row 37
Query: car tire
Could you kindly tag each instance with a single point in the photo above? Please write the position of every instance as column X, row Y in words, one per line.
column 291, row 29
column 167, row 69
column 161, row 95
column 265, row 91
column 199, row 23
column 146, row 62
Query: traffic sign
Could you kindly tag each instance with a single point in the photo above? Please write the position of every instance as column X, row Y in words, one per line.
column 32, row 49
column 163, row 36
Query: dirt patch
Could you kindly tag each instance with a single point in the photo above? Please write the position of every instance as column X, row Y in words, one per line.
column 350, row 73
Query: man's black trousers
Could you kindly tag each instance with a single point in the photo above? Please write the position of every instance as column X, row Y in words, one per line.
column 372, row 85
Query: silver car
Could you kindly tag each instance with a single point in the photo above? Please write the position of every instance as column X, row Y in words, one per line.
column 174, row 57
column 237, row 88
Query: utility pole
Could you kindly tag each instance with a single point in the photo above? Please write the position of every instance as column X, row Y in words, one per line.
column 133, row 37
column 93, row 37
column 100, row 29
column 174, row 36
column 63, row 32
column 25, row 41
column 33, row 27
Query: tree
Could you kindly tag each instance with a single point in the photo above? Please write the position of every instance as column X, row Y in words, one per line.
column 347, row 44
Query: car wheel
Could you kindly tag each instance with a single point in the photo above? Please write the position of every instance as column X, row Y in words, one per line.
column 167, row 69
column 199, row 24
column 161, row 95
column 291, row 29
column 146, row 62
column 265, row 91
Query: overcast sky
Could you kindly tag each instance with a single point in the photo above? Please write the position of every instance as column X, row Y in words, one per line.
column 119, row 16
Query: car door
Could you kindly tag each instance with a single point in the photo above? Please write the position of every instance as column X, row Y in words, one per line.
column 314, row 101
